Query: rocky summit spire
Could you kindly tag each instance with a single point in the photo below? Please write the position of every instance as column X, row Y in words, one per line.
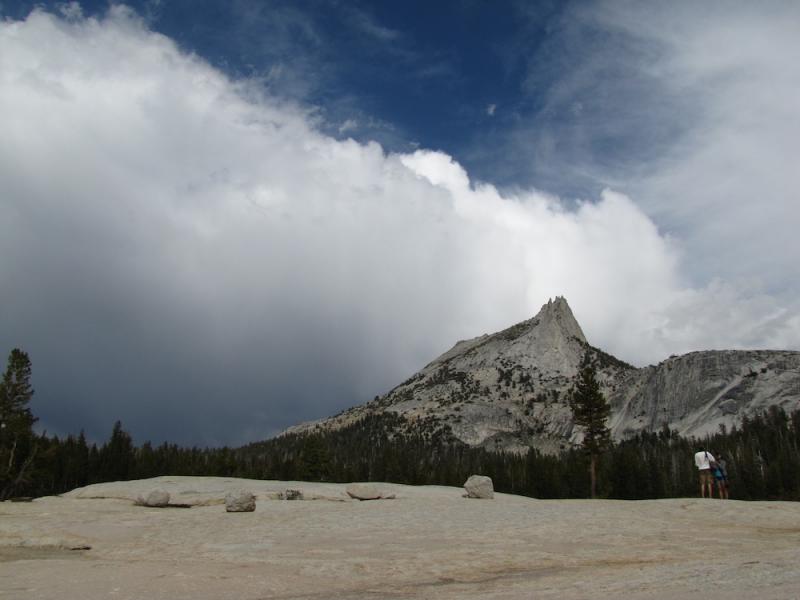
column 495, row 389
column 557, row 316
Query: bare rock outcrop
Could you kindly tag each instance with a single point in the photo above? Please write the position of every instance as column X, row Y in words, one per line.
column 696, row 393
column 505, row 390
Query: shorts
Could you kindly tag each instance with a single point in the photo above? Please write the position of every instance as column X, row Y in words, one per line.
column 705, row 477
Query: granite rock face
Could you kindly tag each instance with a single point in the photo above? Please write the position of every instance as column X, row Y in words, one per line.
column 431, row 545
column 696, row 393
column 510, row 390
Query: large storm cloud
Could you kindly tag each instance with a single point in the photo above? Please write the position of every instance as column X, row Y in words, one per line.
column 191, row 255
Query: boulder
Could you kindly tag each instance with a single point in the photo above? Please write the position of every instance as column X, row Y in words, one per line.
column 240, row 501
column 367, row 491
column 291, row 495
column 156, row 498
column 479, row 486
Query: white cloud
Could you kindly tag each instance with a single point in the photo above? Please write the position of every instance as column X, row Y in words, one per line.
column 490, row 109
column 71, row 10
column 348, row 125
column 367, row 24
column 729, row 183
column 690, row 109
column 194, row 257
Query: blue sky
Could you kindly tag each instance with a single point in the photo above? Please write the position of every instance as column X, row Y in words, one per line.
column 222, row 218
column 411, row 74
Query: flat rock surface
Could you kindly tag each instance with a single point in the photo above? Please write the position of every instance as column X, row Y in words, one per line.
column 428, row 543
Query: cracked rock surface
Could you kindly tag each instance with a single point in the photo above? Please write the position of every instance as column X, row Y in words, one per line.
column 427, row 543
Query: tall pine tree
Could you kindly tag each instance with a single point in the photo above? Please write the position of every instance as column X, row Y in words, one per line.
column 117, row 456
column 17, row 442
column 590, row 411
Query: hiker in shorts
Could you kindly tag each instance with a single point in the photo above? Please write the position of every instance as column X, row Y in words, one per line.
column 703, row 460
column 718, row 468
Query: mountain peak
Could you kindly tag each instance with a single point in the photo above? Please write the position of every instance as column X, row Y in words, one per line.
column 510, row 390
column 557, row 315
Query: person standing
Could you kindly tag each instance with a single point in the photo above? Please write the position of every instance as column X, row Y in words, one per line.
column 703, row 460
column 720, row 471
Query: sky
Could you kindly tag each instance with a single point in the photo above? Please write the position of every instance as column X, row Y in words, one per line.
column 220, row 219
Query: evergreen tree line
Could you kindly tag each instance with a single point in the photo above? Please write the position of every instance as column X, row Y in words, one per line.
column 763, row 457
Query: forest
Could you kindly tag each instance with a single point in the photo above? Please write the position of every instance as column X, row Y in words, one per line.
column 763, row 457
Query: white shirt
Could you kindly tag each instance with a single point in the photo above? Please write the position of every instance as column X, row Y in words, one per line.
column 703, row 460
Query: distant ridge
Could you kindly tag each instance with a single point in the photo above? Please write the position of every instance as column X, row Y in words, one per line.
column 509, row 390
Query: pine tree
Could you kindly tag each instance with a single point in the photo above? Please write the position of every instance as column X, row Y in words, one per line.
column 17, row 442
column 314, row 459
column 116, row 456
column 590, row 411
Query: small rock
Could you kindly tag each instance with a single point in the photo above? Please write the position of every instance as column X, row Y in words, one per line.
column 479, row 486
column 366, row 491
column 292, row 495
column 156, row 498
column 240, row 501
column 729, row 406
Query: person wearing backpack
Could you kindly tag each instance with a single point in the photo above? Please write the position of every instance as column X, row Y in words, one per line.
column 703, row 460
